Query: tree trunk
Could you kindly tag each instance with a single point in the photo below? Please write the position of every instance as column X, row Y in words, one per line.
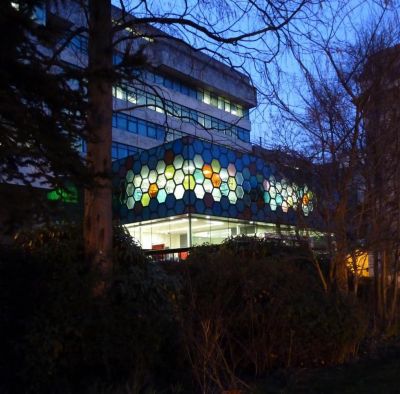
column 98, row 197
column 384, row 280
column 341, row 279
column 341, row 274
column 377, row 290
column 393, row 305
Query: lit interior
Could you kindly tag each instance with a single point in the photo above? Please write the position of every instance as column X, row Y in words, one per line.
column 185, row 231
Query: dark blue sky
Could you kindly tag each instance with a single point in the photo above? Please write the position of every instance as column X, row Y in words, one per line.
column 270, row 58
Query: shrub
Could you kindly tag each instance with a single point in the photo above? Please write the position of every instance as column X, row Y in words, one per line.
column 253, row 305
column 62, row 339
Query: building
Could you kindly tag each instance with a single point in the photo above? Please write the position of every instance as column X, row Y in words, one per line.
column 177, row 91
column 185, row 170
column 380, row 99
column 190, row 191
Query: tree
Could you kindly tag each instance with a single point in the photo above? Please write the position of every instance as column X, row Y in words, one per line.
column 53, row 98
column 200, row 28
column 41, row 111
column 331, row 115
column 98, row 198
column 381, row 93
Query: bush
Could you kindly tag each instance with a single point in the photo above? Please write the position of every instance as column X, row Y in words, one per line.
column 253, row 305
column 229, row 314
column 59, row 338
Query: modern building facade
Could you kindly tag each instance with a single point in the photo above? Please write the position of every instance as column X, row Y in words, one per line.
column 191, row 191
column 381, row 97
column 185, row 171
column 175, row 91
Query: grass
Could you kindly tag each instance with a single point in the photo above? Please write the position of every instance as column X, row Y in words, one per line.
column 375, row 376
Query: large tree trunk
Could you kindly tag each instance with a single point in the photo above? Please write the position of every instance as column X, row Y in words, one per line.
column 98, row 197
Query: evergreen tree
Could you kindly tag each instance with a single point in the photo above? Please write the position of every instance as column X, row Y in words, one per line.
column 41, row 106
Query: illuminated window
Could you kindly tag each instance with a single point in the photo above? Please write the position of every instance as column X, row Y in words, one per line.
column 130, row 203
column 169, row 172
column 152, row 176
column 198, row 176
column 161, row 196
column 153, row 190
column 239, row 178
column 129, row 189
column 178, row 177
column 199, row 191
column 207, row 171
column 137, row 195
column 224, row 175
column 161, row 181
column 224, row 189
column 231, row 169
column 145, row 199
column 188, row 167
column 208, row 186
column 231, row 183
column 198, row 161
column 232, row 197
column 144, row 171
column 179, row 191
column 189, row 182
column 170, row 186
column 216, row 193
column 216, row 180
column 216, row 167
column 145, row 185
column 137, row 180
column 160, row 166
column 178, row 162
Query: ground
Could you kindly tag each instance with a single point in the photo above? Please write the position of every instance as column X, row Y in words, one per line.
column 380, row 376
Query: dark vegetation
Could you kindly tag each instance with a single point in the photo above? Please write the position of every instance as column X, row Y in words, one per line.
column 227, row 318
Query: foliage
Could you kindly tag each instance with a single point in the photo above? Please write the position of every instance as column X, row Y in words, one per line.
column 41, row 112
column 252, row 306
column 243, row 309
column 61, row 337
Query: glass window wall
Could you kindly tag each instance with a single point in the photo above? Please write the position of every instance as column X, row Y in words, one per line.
column 129, row 93
column 192, row 230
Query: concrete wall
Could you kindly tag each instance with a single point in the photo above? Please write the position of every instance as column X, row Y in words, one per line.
column 186, row 63
column 178, row 59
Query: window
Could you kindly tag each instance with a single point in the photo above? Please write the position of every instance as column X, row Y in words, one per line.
column 227, row 106
column 199, row 94
column 133, row 126
column 119, row 93
column 185, row 114
column 121, row 122
column 142, row 130
column 151, row 131
column 214, row 100
column 132, row 97
column 160, row 133
column 206, row 97
column 120, row 150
